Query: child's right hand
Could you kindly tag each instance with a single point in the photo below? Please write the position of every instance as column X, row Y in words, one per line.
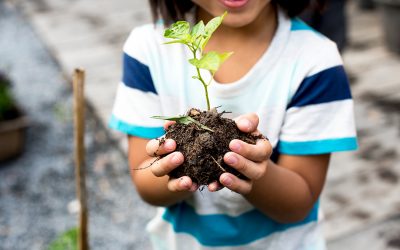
column 170, row 161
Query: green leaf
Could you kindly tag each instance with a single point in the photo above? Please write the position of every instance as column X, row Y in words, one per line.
column 198, row 30
column 184, row 119
column 223, row 57
column 66, row 241
column 178, row 119
column 179, row 30
column 183, row 41
column 214, row 23
column 210, row 61
column 198, row 34
column 211, row 26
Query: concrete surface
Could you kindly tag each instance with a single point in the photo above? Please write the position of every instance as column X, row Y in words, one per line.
column 37, row 190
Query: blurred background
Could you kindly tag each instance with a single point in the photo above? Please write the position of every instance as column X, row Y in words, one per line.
column 42, row 41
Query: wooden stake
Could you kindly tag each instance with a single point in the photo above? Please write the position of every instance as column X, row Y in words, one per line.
column 79, row 136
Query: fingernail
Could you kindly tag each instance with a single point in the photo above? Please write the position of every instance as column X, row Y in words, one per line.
column 185, row 183
column 176, row 159
column 235, row 146
column 227, row 181
column 231, row 159
column 169, row 144
column 245, row 124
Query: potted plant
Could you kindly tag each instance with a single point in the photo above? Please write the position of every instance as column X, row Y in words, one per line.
column 203, row 137
column 13, row 122
column 390, row 10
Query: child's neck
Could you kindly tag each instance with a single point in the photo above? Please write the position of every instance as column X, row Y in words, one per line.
column 248, row 43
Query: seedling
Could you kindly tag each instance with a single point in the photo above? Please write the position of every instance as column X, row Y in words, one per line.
column 203, row 137
column 196, row 39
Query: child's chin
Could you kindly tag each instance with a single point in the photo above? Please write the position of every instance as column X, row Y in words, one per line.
column 236, row 21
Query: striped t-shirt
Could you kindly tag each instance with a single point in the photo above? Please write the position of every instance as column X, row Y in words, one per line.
column 301, row 94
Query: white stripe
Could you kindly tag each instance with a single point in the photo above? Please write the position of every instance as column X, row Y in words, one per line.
column 231, row 203
column 142, row 40
column 270, row 123
column 320, row 121
column 135, row 47
column 313, row 49
column 321, row 51
column 136, row 107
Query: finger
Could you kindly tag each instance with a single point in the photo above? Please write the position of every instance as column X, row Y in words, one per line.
column 183, row 183
column 214, row 186
column 235, row 184
column 261, row 151
column 250, row 169
column 167, row 124
column 154, row 148
column 166, row 164
column 247, row 123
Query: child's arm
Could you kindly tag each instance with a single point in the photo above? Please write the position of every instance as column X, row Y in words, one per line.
column 285, row 191
column 158, row 191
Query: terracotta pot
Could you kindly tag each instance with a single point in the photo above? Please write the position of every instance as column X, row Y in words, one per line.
column 12, row 137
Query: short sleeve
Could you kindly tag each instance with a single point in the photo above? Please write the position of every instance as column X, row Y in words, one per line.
column 319, row 117
column 137, row 98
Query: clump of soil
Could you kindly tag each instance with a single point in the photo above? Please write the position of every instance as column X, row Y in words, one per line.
column 204, row 150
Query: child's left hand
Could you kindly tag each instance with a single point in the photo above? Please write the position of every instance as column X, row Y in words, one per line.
column 250, row 160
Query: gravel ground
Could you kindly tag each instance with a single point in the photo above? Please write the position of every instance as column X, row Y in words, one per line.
column 37, row 188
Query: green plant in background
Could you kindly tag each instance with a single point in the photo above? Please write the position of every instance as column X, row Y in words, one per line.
column 196, row 39
column 66, row 241
column 62, row 112
column 6, row 100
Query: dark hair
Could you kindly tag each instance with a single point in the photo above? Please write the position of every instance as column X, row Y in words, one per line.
column 173, row 10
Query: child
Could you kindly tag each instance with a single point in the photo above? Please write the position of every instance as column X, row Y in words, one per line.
column 284, row 80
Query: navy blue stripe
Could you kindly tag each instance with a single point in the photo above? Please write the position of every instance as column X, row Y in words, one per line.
column 275, row 154
column 224, row 230
column 137, row 75
column 326, row 86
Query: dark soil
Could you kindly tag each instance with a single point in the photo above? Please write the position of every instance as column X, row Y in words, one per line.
column 204, row 150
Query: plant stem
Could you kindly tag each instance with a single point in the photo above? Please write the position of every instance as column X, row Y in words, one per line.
column 205, row 88
column 202, row 80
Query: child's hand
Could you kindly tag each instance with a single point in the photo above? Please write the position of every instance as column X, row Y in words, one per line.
column 169, row 162
column 250, row 160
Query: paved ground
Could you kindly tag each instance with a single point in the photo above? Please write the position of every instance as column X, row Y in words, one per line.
column 361, row 199
column 37, row 190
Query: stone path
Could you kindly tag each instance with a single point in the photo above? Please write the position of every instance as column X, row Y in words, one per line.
column 88, row 34
column 362, row 196
column 37, row 190
column 361, row 199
